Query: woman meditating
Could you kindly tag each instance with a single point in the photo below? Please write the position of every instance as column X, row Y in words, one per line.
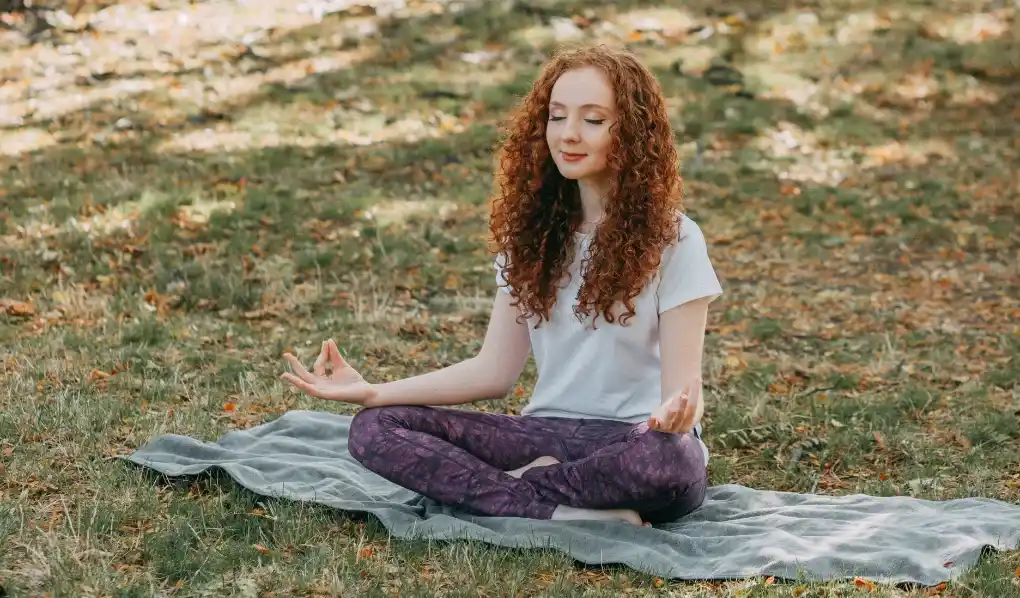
column 605, row 280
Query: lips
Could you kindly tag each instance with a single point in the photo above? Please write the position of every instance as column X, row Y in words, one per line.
column 573, row 157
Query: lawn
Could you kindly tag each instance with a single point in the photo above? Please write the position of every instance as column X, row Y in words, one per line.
column 176, row 215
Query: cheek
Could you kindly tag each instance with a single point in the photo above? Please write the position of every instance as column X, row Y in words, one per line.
column 552, row 131
column 603, row 143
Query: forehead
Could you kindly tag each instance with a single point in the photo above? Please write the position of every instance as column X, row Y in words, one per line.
column 586, row 85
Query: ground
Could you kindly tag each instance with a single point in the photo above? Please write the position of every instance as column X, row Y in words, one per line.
column 189, row 190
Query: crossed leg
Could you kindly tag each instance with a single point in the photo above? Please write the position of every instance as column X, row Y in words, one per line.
column 502, row 465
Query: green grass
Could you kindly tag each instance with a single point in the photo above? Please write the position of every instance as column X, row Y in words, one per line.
column 866, row 239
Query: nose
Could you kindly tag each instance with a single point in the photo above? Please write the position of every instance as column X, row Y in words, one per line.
column 571, row 130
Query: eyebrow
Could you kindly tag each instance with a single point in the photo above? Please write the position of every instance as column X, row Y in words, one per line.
column 584, row 106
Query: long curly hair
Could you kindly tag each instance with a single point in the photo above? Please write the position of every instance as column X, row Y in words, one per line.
column 535, row 211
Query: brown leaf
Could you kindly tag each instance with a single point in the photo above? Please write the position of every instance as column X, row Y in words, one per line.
column 260, row 548
column 20, row 309
column 230, row 407
column 879, row 440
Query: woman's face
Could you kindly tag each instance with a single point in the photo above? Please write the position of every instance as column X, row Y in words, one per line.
column 581, row 109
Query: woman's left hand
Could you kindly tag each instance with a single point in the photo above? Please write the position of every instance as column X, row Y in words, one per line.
column 677, row 415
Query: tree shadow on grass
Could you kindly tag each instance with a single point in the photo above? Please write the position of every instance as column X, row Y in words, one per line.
column 265, row 187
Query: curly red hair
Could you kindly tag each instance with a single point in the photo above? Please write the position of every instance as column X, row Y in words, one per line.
column 535, row 211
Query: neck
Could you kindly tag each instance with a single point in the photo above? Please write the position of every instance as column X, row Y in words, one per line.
column 593, row 200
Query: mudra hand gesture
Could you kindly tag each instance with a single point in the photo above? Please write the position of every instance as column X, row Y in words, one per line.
column 677, row 414
column 343, row 383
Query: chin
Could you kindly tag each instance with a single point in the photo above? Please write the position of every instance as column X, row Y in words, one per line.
column 572, row 172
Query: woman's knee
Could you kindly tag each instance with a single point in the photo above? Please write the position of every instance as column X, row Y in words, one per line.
column 368, row 428
column 672, row 462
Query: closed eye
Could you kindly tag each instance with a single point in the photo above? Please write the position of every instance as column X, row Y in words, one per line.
column 587, row 120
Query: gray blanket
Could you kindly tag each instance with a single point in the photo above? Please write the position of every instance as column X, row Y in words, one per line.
column 738, row 532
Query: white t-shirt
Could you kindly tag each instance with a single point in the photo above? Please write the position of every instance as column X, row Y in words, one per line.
column 613, row 371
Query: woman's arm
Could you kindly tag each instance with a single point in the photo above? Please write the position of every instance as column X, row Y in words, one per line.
column 488, row 375
column 681, row 346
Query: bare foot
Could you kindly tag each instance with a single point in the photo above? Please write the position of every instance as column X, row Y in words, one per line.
column 540, row 462
column 563, row 512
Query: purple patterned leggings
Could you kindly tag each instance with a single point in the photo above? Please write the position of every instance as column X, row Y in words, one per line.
column 459, row 458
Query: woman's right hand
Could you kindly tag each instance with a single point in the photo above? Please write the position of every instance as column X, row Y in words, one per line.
column 344, row 383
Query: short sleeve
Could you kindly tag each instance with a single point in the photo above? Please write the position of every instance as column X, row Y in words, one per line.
column 686, row 272
column 499, row 265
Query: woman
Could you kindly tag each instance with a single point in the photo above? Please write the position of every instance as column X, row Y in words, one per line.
column 606, row 281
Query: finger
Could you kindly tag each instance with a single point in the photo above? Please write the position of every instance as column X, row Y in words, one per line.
column 301, row 384
column 677, row 415
column 335, row 358
column 298, row 368
column 688, row 420
column 319, row 368
column 657, row 419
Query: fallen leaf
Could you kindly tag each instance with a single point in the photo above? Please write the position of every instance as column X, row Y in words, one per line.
column 366, row 552
column 20, row 309
column 771, row 580
column 8, row 451
column 879, row 440
column 947, row 564
column 864, row 584
column 260, row 548
column 230, row 407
